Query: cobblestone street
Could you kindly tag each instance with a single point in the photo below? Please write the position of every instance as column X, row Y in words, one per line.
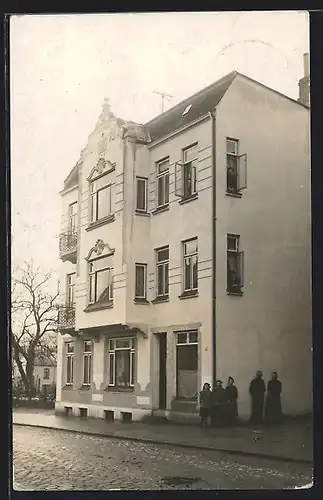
column 57, row 460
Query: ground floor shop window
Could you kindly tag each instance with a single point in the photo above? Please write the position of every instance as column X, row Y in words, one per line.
column 187, row 364
column 121, row 363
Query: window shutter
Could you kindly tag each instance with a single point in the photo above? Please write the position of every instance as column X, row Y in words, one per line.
column 241, row 268
column 242, row 172
column 179, row 178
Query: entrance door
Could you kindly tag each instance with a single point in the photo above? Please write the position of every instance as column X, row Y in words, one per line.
column 162, row 370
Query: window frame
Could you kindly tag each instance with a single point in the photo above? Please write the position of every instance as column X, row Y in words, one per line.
column 69, row 355
column 162, row 264
column 87, row 354
column 187, row 342
column 145, row 180
column 112, row 359
column 92, row 275
column 186, row 256
column 144, row 266
column 70, row 286
column 94, row 197
column 235, row 190
column 192, row 165
column 162, row 175
column 239, row 256
column 72, row 217
column 46, row 373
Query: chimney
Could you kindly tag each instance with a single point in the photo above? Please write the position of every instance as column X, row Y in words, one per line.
column 304, row 83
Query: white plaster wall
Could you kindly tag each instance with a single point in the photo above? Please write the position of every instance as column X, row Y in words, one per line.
column 110, row 233
column 269, row 327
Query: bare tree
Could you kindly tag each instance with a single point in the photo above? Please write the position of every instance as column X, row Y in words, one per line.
column 34, row 320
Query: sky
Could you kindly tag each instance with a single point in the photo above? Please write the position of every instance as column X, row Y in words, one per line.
column 63, row 66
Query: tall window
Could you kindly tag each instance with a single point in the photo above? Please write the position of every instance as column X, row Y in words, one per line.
column 71, row 289
column 121, row 362
column 69, row 363
column 234, row 264
column 101, row 205
column 142, row 191
column 72, row 217
column 190, row 171
column 190, row 257
column 236, row 167
column 87, row 362
column 101, row 280
column 46, row 373
column 141, row 281
column 163, row 183
column 187, row 364
column 162, row 257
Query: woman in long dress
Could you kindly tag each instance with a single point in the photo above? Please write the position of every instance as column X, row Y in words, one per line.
column 231, row 393
column 273, row 409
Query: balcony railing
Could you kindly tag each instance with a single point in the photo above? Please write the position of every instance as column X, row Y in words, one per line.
column 66, row 317
column 68, row 246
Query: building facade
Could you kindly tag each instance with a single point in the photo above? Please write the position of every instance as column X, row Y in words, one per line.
column 185, row 248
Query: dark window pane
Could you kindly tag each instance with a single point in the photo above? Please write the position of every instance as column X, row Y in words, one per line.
column 232, row 243
column 193, row 336
column 133, row 371
column 111, row 369
column 123, row 344
column 163, row 254
column 141, row 194
column 166, row 278
column 122, row 368
column 160, row 191
column 140, row 281
column 182, row 338
column 187, row 274
column 187, row 357
column 194, row 271
column 160, row 279
column 166, row 189
column 86, row 368
column 232, row 172
column 188, row 179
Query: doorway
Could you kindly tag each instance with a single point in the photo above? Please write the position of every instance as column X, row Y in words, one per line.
column 162, row 337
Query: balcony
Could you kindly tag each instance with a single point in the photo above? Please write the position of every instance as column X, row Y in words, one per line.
column 66, row 318
column 68, row 246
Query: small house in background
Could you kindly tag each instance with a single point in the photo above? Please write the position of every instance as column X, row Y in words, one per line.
column 44, row 375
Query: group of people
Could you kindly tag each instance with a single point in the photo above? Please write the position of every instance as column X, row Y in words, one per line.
column 220, row 404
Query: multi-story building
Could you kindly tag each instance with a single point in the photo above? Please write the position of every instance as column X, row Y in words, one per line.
column 186, row 255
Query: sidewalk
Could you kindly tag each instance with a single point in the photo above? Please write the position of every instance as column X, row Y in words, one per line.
column 292, row 442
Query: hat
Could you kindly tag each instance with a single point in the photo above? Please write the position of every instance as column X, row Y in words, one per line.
column 220, row 381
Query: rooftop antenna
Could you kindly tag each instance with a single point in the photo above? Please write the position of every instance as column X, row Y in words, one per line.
column 163, row 97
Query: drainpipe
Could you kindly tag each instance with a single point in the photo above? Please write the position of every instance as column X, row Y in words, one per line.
column 212, row 115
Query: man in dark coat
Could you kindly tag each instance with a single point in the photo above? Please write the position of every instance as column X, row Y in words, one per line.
column 257, row 391
column 218, row 406
column 273, row 410
column 231, row 396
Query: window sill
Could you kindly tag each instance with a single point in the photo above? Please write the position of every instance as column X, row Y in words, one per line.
column 140, row 301
column 189, row 295
column 187, row 199
column 233, row 194
column 119, row 390
column 142, row 213
column 98, row 306
column 157, row 300
column 159, row 210
column 237, row 292
column 101, row 222
column 85, row 388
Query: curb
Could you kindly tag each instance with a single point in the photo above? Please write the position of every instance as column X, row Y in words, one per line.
column 169, row 443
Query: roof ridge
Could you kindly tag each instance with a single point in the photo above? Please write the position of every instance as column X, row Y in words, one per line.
column 221, row 80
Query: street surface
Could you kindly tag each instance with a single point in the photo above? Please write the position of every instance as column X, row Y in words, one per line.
column 45, row 459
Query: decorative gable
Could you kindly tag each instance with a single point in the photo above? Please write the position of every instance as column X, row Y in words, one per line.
column 102, row 167
column 100, row 249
